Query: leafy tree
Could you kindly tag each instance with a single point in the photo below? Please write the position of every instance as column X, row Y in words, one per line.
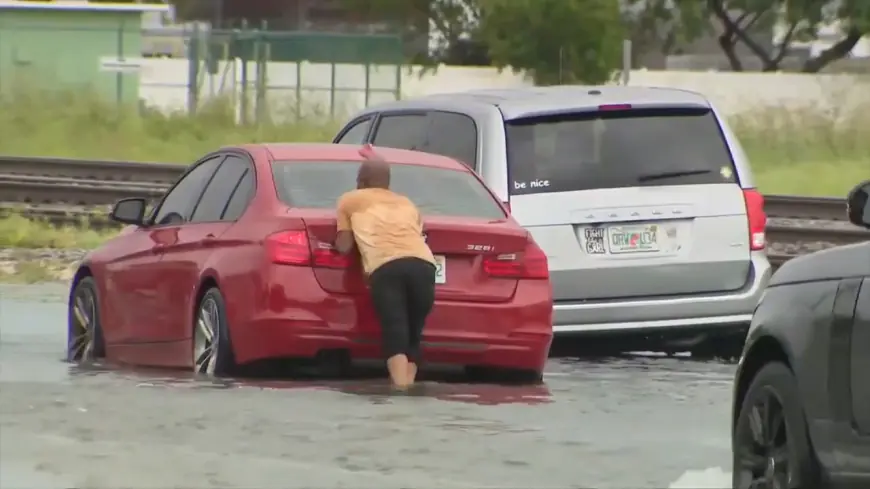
column 802, row 20
column 556, row 41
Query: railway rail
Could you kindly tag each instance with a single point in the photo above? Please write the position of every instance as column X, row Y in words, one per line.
column 67, row 191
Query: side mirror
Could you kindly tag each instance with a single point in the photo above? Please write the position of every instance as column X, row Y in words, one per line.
column 129, row 211
column 858, row 205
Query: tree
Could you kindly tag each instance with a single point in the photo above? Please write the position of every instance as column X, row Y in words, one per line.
column 800, row 20
column 451, row 26
column 664, row 25
column 556, row 41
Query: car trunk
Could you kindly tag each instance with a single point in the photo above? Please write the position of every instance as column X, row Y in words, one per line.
column 459, row 246
column 640, row 242
column 630, row 202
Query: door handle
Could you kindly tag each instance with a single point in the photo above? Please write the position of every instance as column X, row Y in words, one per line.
column 158, row 248
column 209, row 240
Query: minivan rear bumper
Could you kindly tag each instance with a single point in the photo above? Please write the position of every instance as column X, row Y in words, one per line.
column 681, row 312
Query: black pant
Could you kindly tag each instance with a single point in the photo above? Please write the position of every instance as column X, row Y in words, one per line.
column 403, row 292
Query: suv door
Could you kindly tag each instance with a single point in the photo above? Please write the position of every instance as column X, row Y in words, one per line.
column 194, row 242
column 402, row 130
column 861, row 361
column 453, row 135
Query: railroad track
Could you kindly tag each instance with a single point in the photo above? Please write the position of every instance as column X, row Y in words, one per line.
column 67, row 191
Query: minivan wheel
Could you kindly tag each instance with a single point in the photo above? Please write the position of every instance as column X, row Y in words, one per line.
column 212, row 350
column 770, row 445
column 84, row 330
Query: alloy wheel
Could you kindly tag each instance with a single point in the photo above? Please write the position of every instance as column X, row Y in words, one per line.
column 763, row 460
column 82, row 339
column 206, row 337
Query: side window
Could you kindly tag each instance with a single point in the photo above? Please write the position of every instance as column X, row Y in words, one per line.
column 452, row 135
column 357, row 133
column 178, row 203
column 402, row 131
column 217, row 194
column 240, row 198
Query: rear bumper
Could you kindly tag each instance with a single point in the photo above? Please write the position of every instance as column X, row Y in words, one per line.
column 302, row 321
column 670, row 313
column 282, row 339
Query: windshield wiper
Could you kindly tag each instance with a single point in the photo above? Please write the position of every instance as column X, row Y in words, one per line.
column 671, row 174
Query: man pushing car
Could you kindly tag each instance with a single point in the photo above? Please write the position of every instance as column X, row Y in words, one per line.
column 387, row 229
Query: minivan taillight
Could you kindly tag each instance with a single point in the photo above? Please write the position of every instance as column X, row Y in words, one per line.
column 529, row 264
column 757, row 218
column 295, row 248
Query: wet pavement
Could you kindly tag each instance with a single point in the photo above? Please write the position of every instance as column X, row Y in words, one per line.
column 640, row 422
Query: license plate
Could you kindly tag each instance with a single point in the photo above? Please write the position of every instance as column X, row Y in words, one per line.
column 440, row 269
column 633, row 239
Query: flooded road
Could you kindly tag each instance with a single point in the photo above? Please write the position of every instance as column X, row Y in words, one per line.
column 636, row 422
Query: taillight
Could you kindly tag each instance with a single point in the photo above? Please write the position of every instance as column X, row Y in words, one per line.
column 529, row 264
column 295, row 248
column 757, row 218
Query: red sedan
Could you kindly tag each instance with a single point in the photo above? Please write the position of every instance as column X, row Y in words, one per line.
column 235, row 265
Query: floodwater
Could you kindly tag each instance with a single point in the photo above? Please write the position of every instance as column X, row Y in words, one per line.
column 640, row 422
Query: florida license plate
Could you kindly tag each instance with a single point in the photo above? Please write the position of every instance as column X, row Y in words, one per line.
column 633, row 239
column 440, row 269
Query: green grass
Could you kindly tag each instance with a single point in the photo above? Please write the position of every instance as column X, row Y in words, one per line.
column 792, row 151
column 80, row 125
column 19, row 232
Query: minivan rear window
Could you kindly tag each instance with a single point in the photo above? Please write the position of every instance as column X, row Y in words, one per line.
column 435, row 191
column 616, row 149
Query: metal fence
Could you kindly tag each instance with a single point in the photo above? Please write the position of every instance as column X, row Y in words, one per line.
column 262, row 73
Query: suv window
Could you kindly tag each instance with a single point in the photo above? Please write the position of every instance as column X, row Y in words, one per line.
column 357, row 133
column 211, row 206
column 452, row 135
column 615, row 149
column 178, row 203
column 402, row 131
column 320, row 184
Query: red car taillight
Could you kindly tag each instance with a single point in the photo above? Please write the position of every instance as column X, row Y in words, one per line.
column 530, row 264
column 757, row 219
column 295, row 248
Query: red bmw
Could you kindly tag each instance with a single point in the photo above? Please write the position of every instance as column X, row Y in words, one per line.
column 235, row 265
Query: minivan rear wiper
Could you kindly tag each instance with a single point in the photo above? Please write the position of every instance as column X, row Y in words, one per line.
column 671, row 174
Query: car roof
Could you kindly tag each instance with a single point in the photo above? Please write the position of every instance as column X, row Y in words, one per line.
column 351, row 152
column 528, row 101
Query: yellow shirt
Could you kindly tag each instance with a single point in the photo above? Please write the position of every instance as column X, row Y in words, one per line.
column 386, row 226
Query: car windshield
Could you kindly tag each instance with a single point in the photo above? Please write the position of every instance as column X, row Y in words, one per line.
column 614, row 149
column 435, row 191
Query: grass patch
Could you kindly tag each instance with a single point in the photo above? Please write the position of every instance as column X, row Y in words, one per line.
column 33, row 273
column 19, row 232
column 808, row 151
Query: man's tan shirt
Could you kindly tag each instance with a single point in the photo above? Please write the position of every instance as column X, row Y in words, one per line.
column 386, row 226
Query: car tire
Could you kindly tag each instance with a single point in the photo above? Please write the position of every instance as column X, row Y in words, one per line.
column 212, row 348
column 477, row 373
column 85, row 341
column 783, row 428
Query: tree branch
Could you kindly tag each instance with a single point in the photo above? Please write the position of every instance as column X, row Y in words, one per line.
column 838, row 51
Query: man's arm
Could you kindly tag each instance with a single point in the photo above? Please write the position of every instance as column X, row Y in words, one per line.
column 344, row 241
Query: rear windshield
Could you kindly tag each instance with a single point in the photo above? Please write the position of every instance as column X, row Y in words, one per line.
column 614, row 149
column 435, row 191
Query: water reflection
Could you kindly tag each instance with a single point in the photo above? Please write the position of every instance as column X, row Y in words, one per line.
column 376, row 389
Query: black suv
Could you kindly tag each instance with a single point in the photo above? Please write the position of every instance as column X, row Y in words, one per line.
column 801, row 413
